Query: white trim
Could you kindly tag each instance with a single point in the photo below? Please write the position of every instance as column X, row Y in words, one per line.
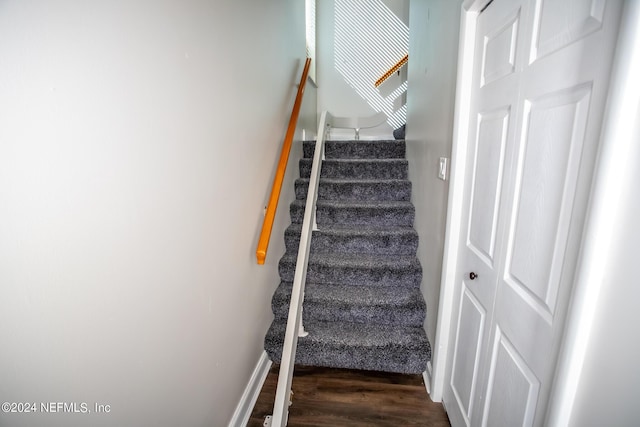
column 287, row 361
column 618, row 138
column 249, row 398
column 426, row 377
column 468, row 20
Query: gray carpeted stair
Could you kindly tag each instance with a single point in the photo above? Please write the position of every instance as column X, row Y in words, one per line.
column 380, row 304
column 357, row 189
column 363, row 239
column 358, row 168
column 363, row 307
column 359, row 212
column 357, row 269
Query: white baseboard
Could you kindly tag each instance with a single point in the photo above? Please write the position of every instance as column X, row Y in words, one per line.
column 426, row 377
column 251, row 392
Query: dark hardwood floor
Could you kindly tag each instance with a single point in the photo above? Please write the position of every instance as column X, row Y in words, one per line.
column 341, row 397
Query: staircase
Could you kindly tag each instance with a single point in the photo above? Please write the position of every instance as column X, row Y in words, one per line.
column 363, row 307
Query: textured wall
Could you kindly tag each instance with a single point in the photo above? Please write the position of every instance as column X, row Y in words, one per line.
column 430, row 99
column 138, row 140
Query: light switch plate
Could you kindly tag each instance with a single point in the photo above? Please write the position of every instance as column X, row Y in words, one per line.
column 443, row 167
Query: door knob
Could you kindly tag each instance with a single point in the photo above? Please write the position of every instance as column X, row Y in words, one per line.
column 472, row 275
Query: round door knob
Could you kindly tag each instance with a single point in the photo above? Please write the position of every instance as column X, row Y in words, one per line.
column 472, row 275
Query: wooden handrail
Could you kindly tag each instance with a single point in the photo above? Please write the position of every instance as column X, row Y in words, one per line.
column 270, row 214
column 392, row 70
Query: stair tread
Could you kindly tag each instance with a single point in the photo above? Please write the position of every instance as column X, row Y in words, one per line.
column 358, row 181
column 358, row 149
column 318, row 293
column 359, row 269
column 361, row 230
column 358, row 168
column 371, row 204
column 356, row 189
column 354, row 334
column 378, row 161
column 357, row 212
column 353, row 345
column 357, row 141
column 400, row 142
column 340, row 303
column 399, row 240
column 362, row 141
column 365, row 261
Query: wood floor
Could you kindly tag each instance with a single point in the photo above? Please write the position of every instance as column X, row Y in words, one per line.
column 340, row 397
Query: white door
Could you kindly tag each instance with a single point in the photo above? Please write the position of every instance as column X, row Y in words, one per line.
column 541, row 72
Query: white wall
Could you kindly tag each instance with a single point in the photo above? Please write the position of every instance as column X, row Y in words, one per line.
column 608, row 386
column 334, row 93
column 137, row 144
column 608, row 378
column 433, row 51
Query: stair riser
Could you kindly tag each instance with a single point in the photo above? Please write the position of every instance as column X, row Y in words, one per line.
column 409, row 276
column 393, row 169
column 404, row 244
column 379, row 191
column 358, row 149
column 353, row 215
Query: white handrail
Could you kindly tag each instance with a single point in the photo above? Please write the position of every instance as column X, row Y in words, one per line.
column 294, row 322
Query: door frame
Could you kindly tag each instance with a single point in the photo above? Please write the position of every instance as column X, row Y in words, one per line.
column 470, row 10
column 589, row 277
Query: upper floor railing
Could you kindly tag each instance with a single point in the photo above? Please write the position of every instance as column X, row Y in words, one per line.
column 392, row 70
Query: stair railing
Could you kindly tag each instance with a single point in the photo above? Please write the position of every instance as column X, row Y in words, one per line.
column 392, row 70
column 270, row 213
column 294, row 321
column 357, row 123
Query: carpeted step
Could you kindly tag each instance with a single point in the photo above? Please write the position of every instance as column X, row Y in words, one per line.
column 358, row 168
column 390, row 348
column 371, row 304
column 378, row 213
column 385, row 149
column 357, row 189
column 363, row 239
column 363, row 305
column 356, row 270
